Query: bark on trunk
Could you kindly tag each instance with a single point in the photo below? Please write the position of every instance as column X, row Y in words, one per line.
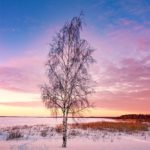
column 64, row 132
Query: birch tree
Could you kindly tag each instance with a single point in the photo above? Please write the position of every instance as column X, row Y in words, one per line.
column 67, row 66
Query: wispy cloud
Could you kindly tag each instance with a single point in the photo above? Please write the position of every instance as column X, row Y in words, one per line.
column 24, row 74
column 122, row 72
column 23, row 104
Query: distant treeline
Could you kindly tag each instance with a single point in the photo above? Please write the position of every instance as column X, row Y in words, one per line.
column 135, row 116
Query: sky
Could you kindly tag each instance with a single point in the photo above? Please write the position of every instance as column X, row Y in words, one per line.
column 118, row 30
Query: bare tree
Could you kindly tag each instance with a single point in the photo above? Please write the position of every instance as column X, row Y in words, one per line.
column 68, row 61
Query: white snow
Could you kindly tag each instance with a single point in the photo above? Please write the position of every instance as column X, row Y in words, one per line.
column 78, row 143
column 78, row 139
column 13, row 121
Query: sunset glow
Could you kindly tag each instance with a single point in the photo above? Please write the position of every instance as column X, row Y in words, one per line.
column 119, row 31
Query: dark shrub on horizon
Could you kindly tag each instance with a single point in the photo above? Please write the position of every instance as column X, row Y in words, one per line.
column 138, row 117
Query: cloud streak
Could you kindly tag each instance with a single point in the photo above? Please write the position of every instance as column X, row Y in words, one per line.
column 23, row 104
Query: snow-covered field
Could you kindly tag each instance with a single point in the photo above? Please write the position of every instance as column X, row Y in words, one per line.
column 13, row 121
column 46, row 137
column 78, row 143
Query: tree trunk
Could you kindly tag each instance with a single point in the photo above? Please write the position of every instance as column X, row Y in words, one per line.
column 64, row 131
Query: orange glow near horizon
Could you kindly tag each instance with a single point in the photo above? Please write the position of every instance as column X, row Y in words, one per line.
column 41, row 111
column 15, row 96
column 25, row 104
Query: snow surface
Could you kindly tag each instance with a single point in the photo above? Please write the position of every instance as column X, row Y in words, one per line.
column 78, row 139
column 77, row 143
column 34, row 137
column 13, row 121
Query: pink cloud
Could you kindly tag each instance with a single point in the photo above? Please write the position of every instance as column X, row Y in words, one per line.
column 20, row 79
column 131, row 73
column 26, row 72
column 131, row 102
column 122, row 72
column 126, row 87
column 130, row 40
column 126, row 22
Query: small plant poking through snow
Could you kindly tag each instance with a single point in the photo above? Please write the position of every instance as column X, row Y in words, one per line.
column 44, row 133
column 14, row 134
column 59, row 129
column 74, row 132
